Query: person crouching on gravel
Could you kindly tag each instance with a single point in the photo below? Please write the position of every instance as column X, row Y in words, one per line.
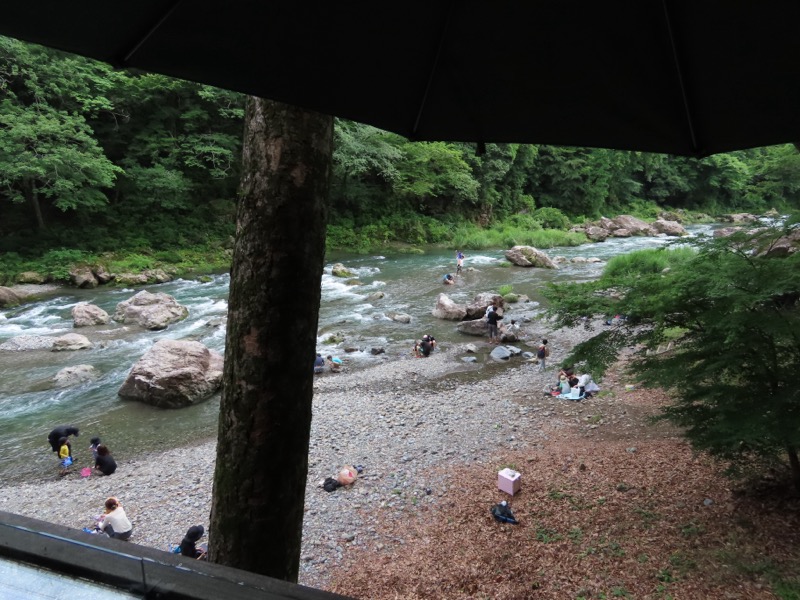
column 115, row 522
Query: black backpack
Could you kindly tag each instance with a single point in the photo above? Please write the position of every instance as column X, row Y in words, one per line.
column 541, row 353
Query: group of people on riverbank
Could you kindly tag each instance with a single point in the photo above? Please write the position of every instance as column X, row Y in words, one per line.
column 334, row 363
column 59, row 440
column 114, row 521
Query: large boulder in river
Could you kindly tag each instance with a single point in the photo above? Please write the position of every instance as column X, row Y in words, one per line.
column 143, row 278
column 783, row 246
column 479, row 327
column 151, row 311
column 8, row 297
column 477, row 308
column 82, row 277
column 174, row 374
column 672, row 228
column 528, row 256
column 632, row 225
column 71, row 341
column 595, row 233
column 69, row 376
column 85, row 314
column 447, row 309
column 339, row 270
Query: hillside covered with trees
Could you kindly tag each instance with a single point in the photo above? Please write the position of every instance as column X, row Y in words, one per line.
column 96, row 161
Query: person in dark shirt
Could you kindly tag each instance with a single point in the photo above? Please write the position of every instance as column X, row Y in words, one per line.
column 189, row 542
column 63, row 431
column 492, row 318
column 104, row 462
column 427, row 345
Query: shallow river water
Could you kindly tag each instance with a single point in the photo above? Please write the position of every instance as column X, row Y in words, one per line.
column 30, row 406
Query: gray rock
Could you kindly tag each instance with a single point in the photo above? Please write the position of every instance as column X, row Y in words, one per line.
column 151, row 311
column 469, row 359
column 339, row 270
column 595, row 233
column 23, row 343
column 69, row 376
column 85, row 314
column 83, row 277
column 632, row 224
column 478, row 327
column 528, row 256
column 470, row 348
column 8, row 297
column 375, row 296
column 672, row 228
column 31, row 277
column 477, row 308
column 102, row 275
column 71, row 341
column 131, row 278
column 447, row 309
column 513, row 350
column 500, row 354
column 399, row 317
column 174, row 374
column 726, row 231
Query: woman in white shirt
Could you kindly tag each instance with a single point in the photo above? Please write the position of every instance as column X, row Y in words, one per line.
column 115, row 522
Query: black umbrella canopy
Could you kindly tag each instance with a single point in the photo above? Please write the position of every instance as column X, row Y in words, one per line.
column 681, row 77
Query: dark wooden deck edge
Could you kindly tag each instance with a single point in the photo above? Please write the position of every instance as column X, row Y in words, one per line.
column 137, row 569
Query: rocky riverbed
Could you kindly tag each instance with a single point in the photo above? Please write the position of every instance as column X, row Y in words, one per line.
column 405, row 421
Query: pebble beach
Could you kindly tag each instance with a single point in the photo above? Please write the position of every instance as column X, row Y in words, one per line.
column 405, row 421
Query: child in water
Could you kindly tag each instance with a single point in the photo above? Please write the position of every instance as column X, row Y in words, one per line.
column 64, row 452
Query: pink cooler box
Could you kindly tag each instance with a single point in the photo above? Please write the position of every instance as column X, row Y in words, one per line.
column 508, row 481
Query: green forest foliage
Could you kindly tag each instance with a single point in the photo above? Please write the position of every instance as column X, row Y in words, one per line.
column 718, row 324
column 102, row 160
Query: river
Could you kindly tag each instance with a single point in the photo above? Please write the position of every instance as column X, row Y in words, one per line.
column 30, row 406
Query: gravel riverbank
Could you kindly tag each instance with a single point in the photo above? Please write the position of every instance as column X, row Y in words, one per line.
column 405, row 421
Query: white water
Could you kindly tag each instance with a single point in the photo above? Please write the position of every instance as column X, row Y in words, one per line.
column 30, row 407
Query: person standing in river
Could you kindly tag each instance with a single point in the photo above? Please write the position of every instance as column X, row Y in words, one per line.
column 492, row 318
column 459, row 261
column 63, row 431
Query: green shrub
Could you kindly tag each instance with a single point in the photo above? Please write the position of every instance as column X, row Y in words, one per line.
column 551, row 218
column 57, row 263
column 505, row 289
column 643, row 262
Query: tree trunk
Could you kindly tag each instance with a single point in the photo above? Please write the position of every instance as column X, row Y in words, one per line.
column 32, row 194
column 273, row 312
column 794, row 462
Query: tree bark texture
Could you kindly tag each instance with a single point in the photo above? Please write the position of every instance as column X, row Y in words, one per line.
column 273, row 313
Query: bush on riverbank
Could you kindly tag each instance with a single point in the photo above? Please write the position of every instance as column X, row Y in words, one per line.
column 55, row 265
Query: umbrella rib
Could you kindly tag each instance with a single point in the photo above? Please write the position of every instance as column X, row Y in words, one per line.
column 675, row 58
column 434, row 69
column 166, row 15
